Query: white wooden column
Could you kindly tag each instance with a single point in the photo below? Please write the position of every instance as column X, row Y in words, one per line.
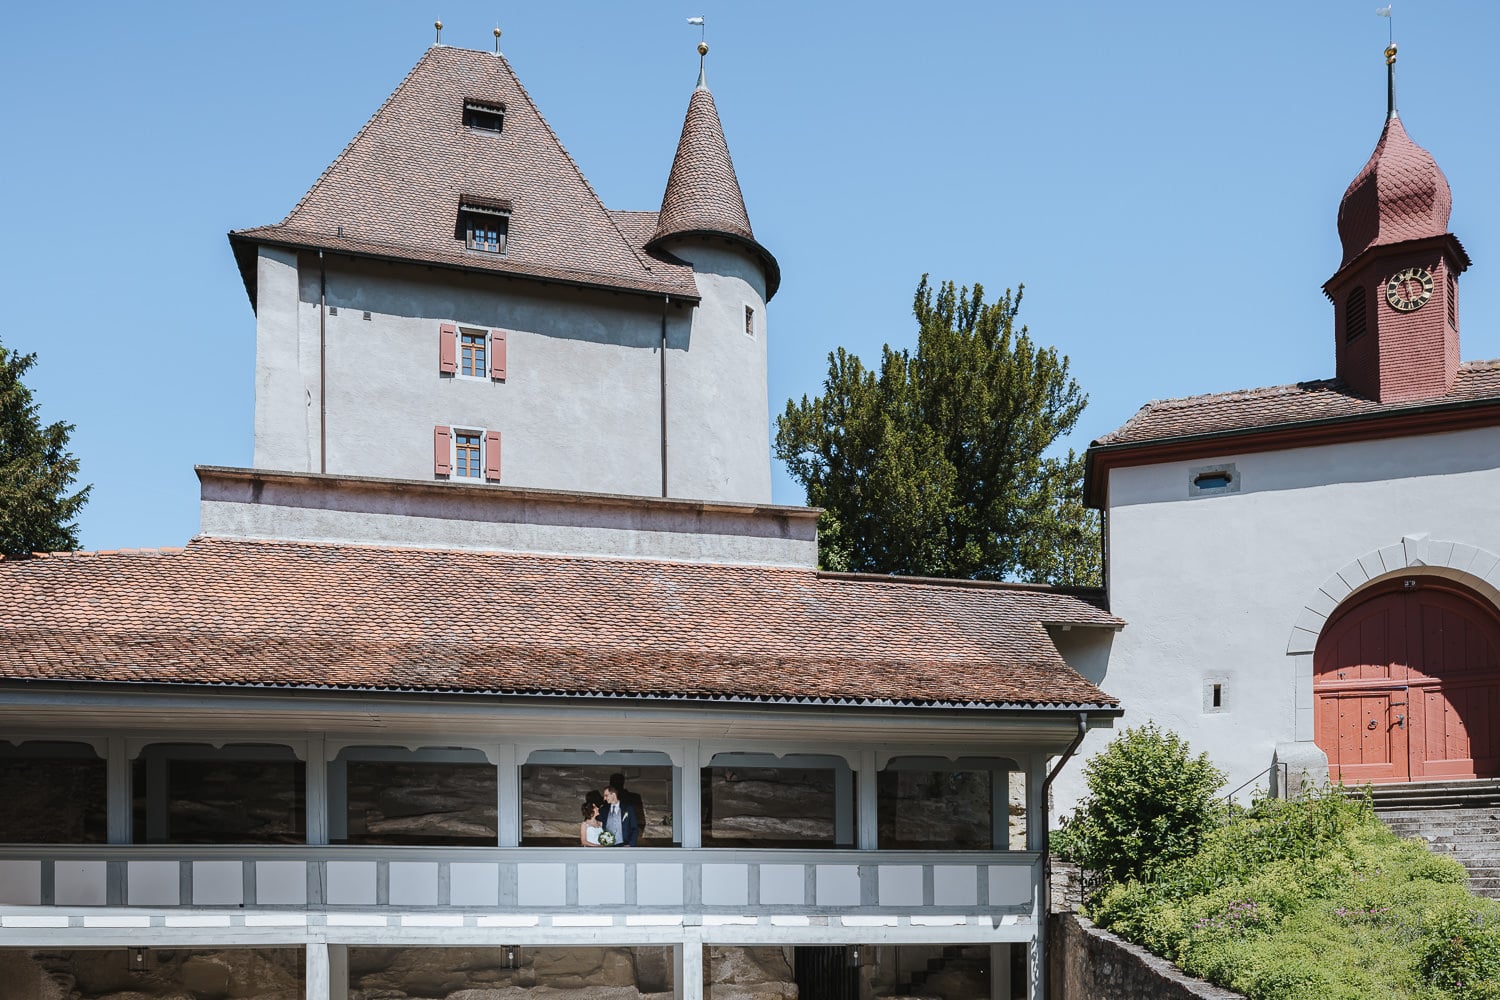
column 869, row 802
column 1036, row 808
column 687, row 971
column 999, row 972
column 507, row 793
column 317, row 808
column 689, row 816
column 843, row 806
column 117, row 797
column 318, row 982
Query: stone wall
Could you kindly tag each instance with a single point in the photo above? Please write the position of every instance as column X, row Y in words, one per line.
column 167, row 974
column 1087, row 963
column 485, row 974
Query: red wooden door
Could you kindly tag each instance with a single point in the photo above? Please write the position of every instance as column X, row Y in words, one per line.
column 1407, row 686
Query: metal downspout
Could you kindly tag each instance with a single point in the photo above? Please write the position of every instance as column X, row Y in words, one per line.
column 322, row 364
column 665, row 301
column 1045, row 916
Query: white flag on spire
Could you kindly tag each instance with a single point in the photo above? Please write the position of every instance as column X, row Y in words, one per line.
column 698, row 21
column 1384, row 11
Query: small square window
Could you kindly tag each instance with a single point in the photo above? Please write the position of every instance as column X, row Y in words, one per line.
column 485, row 231
column 484, row 116
column 466, row 448
column 749, row 321
column 471, row 354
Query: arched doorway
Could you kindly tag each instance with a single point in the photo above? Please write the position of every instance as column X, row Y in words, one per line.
column 1406, row 684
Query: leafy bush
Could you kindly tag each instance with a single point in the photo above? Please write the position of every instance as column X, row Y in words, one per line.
column 1308, row 900
column 1460, row 951
column 1150, row 802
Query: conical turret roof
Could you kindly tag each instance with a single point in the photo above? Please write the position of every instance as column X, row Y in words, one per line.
column 1399, row 195
column 703, row 194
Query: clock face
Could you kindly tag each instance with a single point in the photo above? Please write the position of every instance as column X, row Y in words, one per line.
column 1409, row 290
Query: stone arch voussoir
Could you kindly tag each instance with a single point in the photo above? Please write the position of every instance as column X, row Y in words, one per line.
column 1477, row 568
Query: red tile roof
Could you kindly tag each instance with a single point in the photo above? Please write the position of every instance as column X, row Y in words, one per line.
column 229, row 612
column 703, row 194
column 1327, row 400
column 395, row 189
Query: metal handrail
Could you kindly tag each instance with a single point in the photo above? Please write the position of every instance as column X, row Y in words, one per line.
column 1282, row 787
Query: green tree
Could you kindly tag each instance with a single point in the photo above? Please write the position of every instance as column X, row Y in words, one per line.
column 37, row 511
column 937, row 464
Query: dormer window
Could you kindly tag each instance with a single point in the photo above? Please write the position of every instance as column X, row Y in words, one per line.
column 484, row 116
column 484, row 223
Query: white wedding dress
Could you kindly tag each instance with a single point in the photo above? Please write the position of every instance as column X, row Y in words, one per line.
column 591, row 834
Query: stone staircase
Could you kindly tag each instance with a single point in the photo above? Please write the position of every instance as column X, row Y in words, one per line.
column 1461, row 818
column 962, row 972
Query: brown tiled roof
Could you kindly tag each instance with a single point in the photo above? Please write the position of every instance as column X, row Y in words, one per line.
column 1327, row 400
column 703, row 194
column 395, row 190
column 222, row 612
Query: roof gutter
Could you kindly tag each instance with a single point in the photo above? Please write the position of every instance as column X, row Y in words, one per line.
column 244, row 247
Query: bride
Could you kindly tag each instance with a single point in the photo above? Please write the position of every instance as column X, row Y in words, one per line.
column 590, row 828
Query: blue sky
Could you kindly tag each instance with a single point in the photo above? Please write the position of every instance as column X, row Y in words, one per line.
column 1163, row 178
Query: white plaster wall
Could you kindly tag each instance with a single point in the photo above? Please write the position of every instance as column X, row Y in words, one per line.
column 281, row 400
column 1212, row 587
column 718, row 420
column 580, row 408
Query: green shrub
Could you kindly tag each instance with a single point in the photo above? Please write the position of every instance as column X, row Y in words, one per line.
column 1150, row 802
column 1460, row 951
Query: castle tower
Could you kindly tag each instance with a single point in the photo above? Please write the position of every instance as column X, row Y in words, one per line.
column 717, row 415
column 452, row 302
column 1395, row 295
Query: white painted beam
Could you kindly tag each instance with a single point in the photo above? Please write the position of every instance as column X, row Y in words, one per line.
column 507, row 793
column 318, row 983
column 869, row 801
column 317, row 790
column 687, row 972
column 118, row 797
column 689, row 818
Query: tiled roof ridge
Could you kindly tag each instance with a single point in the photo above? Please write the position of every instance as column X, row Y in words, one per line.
column 966, row 583
column 629, row 244
column 554, row 557
column 158, row 550
column 357, row 136
column 1310, row 385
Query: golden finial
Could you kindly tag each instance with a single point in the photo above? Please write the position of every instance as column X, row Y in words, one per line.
column 439, row 26
column 1390, row 54
column 703, row 48
column 497, row 39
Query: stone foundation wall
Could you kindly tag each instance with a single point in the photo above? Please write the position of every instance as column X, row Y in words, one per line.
column 168, row 974
column 1087, row 963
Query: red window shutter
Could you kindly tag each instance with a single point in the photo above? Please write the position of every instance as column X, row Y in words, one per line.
column 448, row 349
column 497, row 354
column 492, row 455
column 442, row 451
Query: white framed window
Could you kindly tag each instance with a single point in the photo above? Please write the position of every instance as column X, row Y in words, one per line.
column 465, row 454
column 473, row 353
column 467, row 449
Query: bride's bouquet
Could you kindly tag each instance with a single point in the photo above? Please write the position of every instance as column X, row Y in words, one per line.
column 607, row 839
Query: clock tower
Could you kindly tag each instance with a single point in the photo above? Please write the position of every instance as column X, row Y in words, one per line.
column 1395, row 295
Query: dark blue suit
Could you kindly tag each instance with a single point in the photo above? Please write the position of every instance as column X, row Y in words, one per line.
column 630, row 827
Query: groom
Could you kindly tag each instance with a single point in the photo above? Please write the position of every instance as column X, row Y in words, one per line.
column 619, row 818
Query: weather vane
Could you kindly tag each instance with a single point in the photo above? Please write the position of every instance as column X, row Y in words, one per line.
column 1390, row 23
column 697, row 22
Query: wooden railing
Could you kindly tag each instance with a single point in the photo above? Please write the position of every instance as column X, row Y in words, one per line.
column 668, row 880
